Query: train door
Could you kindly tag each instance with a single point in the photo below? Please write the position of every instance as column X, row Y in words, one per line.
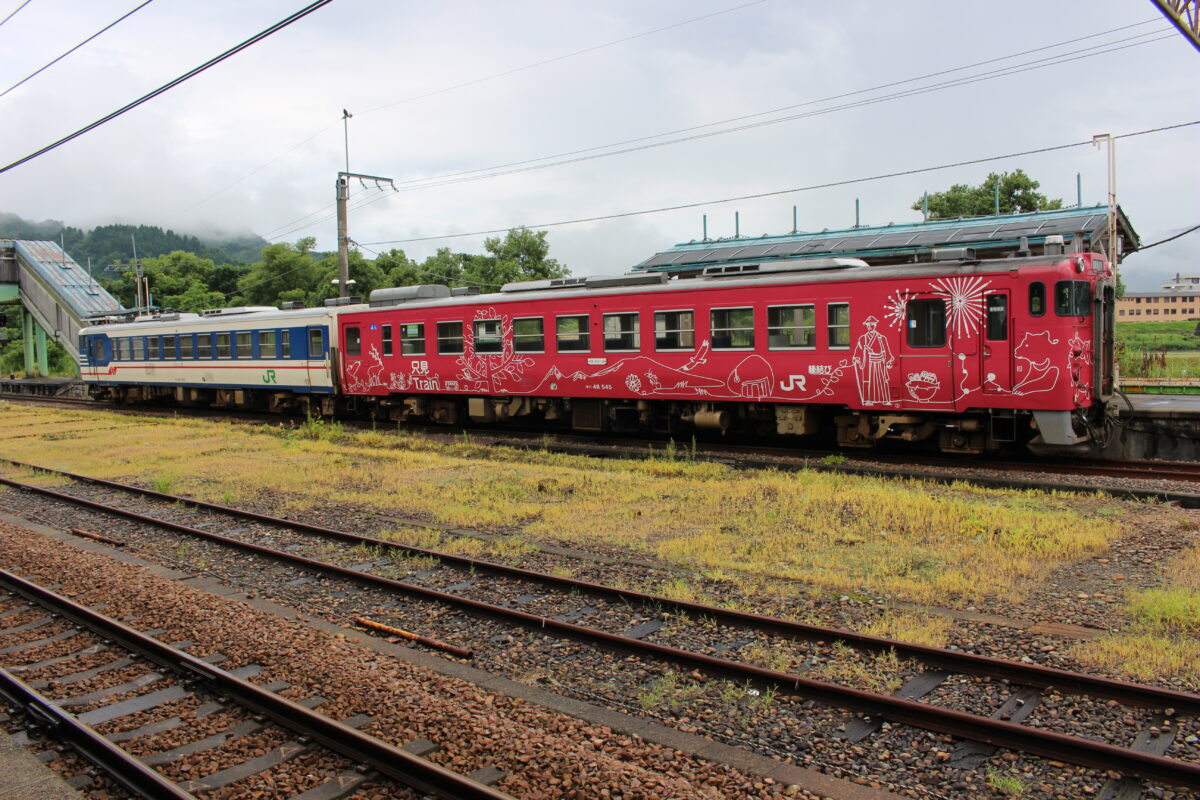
column 925, row 352
column 997, row 366
column 317, row 344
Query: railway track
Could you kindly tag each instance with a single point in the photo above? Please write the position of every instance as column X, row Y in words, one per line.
column 632, row 622
column 171, row 675
column 936, row 469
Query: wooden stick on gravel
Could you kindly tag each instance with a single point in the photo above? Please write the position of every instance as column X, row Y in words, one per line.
column 461, row 652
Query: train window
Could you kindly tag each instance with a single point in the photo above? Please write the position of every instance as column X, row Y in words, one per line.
column 242, row 345
column 449, row 338
column 152, row 347
column 837, row 324
column 488, row 336
column 412, row 338
column 354, row 341
column 790, row 327
column 997, row 317
column 732, row 328
column 572, row 334
column 222, row 345
column 168, row 347
column 621, row 333
column 204, row 345
column 385, row 337
column 316, row 343
column 1037, row 299
column 185, row 346
column 926, row 323
column 674, row 330
column 266, row 344
column 1072, row 298
column 139, row 348
column 529, row 335
column 285, row 344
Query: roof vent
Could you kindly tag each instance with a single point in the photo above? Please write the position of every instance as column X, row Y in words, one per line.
column 795, row 265
column 293, row 305
column 1054, row 245
column 538, row 286
column 953, row 254
column 464, row 291
column 229, row 312
column 408, row 294
column 607, row 281
column 331, row 302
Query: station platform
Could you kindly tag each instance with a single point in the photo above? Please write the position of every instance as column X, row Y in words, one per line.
column 1171, row 406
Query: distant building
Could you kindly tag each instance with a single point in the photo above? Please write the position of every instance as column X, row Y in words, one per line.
column 1180, row 299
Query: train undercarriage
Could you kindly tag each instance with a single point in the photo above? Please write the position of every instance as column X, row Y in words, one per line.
column 976, row 432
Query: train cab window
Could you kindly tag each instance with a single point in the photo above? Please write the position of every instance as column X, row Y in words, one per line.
column 412, row 339
column 621, row 333
column 572, row 334
column 837, row 325
column 732, row 328
column 204, row 345
column 385, row 339
column 168, row 347
column 925, row 321
column 997, row 317
column 242, row 345
column 488, row 336
column 152, row 347
column 223, row 345
column 139, row 348
column 185, row 346
column 316, row 343
column 791, row 327
column 285, row 344
column 354, row 341
column 529, row 335
column 1037, row 299
column 674, row 330
column 266, row 344
column 1072, row 298
column 449, row 338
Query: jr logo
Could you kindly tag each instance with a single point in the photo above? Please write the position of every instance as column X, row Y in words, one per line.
column 794, row 383
column 269, row 376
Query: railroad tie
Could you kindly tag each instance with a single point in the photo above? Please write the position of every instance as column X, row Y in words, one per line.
column 1019, row 705
column 859, row 728
column 1155, row 739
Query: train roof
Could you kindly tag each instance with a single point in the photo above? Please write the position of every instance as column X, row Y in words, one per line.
column 1082, row 228
column 222, row 318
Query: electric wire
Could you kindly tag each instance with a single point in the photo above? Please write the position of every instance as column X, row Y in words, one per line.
column 1061, row 58
column 173, row 83
column 110, row 25
column 1181, row 234
column 794, row 190
column 464, row 84
column 13, row 13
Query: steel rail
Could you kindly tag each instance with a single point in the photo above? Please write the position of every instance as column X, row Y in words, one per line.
column 122, row 767
column 391, row 761
column 999, row 733
column 1066, row 681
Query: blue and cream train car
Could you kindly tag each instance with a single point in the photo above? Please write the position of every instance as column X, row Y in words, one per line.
column 248, row 357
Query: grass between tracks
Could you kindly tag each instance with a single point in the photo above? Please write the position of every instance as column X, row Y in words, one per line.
column 1164, row 640
column 950, row 545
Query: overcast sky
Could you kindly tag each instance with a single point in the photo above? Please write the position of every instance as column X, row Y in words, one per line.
column 254, row 144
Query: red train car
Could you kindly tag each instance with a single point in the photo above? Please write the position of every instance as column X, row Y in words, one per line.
column 970, row 354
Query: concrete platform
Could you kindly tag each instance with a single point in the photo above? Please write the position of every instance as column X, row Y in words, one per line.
column 1173, row 406
column 23, row 776
column 1164, row 426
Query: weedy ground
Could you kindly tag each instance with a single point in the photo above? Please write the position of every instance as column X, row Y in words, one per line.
column 953, row 545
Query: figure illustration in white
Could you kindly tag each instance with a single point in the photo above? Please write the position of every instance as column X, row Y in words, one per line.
column 872, row 360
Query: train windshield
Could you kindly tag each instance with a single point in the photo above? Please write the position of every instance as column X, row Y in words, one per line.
column 1072, row 298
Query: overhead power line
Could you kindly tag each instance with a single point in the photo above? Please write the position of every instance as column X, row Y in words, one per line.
column 76, row 47
column 794, row 190
column 311, row 7
column 14, row 11
column 646, row 142
column 1192, row 229
column 464, row 84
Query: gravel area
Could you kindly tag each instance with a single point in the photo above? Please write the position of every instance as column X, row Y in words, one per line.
column 545, row 755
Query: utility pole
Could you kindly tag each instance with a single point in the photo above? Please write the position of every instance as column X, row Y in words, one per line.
column 343, row 222
column 1114, row 252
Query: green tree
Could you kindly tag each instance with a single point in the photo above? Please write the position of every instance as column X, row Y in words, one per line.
column 1018, row 193
column 284, row 271
column 179, row 280
column 520, row 256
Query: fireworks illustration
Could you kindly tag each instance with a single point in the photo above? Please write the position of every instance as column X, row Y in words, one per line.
column 896, row 308
column 964, row 296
